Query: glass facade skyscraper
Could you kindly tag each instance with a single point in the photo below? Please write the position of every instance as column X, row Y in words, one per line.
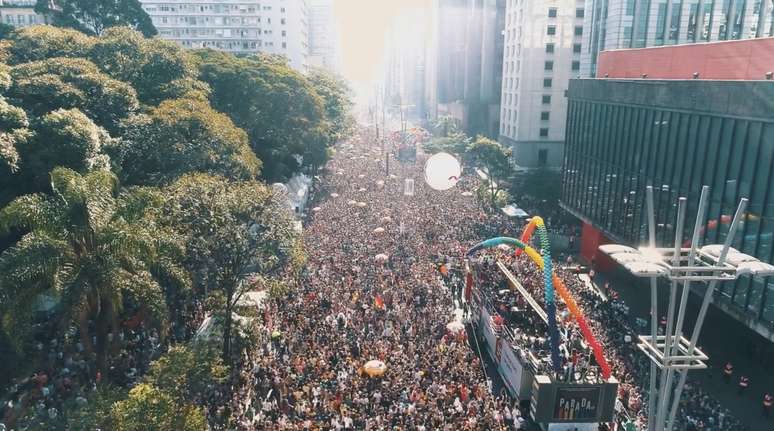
column 677, row 136
column 618, row 24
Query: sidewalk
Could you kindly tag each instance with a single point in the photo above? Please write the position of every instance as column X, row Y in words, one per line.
column 723, row 339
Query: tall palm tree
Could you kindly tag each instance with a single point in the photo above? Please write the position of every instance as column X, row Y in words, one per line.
column 93, row 248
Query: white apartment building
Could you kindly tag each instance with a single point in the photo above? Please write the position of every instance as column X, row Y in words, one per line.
column 616, row 24
column 20, row 13
column 322, row 35
column 238, row 26
column 542, row 52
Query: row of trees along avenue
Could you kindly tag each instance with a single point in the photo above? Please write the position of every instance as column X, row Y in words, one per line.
column 133, row 186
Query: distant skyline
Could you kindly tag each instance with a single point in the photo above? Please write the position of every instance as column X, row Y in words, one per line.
column 362, row 28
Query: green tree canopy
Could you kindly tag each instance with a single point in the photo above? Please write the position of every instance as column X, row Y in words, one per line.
column 94, row 17
column 61, row 138
column 157, row 69
column 277, row 107
column 6, row 30
column 187, row 372
column 238, row 234
column 43, row 86
column 149, row 408
column 446, row 126
column 94, row 249
column 337, row 101
column 180, row 378
column 181, row 136
column 43, row 41
column 13, row 132
column 97, row 413
column 456, row 143
column 494, row 159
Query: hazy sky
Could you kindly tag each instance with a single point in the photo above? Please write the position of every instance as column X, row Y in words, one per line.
column 362, row 27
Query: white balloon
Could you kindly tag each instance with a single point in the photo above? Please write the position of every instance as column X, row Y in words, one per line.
column 442, row 171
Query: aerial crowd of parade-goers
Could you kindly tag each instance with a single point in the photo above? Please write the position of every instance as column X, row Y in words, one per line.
column 353, row 308
column 372, row 291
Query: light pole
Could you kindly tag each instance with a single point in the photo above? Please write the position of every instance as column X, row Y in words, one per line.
column 672, row 353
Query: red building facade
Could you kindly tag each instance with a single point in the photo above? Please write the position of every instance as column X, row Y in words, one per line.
column 748, row 59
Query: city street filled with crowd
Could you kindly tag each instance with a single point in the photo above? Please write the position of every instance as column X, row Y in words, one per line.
column 355, row 306
column 372, row 290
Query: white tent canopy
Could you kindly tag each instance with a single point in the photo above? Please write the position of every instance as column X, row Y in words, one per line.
column 252, row 299
column 211, row 329
column 512, row 210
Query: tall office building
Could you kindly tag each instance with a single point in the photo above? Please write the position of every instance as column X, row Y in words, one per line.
column 678, row 135
column 404, row 74
column 464, row 63
column 322, row 35
column 20, row 13
column 616, row 24
column 542, row 52
column 238, row 26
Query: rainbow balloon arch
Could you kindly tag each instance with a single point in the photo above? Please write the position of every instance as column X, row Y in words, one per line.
column 551, row 281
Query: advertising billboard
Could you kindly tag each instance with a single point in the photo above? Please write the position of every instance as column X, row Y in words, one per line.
column 576, row 403
column 564, row 402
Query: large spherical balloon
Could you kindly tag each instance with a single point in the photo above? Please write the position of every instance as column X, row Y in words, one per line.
column 442, row 171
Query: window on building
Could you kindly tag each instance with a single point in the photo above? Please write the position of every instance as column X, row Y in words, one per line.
column 579, row 30
column 284, row 45
column 542, row 157
column 575, row 65
column 548, row 82
column 546, row 99
column 544, row 132
column 549, row 48
column 579, row 13
column 552, row 12
column 284, row 33
column 551, row 30
column 545, row 115
column 576, row 48
column 549, row 65
column 630, row 5
column 282, row 21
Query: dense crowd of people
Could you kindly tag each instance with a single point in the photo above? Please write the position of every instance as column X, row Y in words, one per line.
column 353, row 307
column 372, row 291
column 66, row 373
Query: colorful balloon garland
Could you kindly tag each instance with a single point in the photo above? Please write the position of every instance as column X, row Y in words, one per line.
column 551, row 281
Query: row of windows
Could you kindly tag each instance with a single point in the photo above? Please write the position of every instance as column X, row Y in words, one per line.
column 219, row 32
column 214, row 20
column 21, row 20
column 614, row 151
column 549, row 65
column 552, row 11
column 550, row 48
column 212, row 8
column 513, row 99
column 551, row 30
column 509, row 116
column 245, row 45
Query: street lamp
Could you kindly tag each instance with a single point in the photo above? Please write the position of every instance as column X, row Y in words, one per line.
column 672, row 353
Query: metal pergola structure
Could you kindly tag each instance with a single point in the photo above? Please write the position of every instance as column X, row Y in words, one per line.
column 671, row 354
